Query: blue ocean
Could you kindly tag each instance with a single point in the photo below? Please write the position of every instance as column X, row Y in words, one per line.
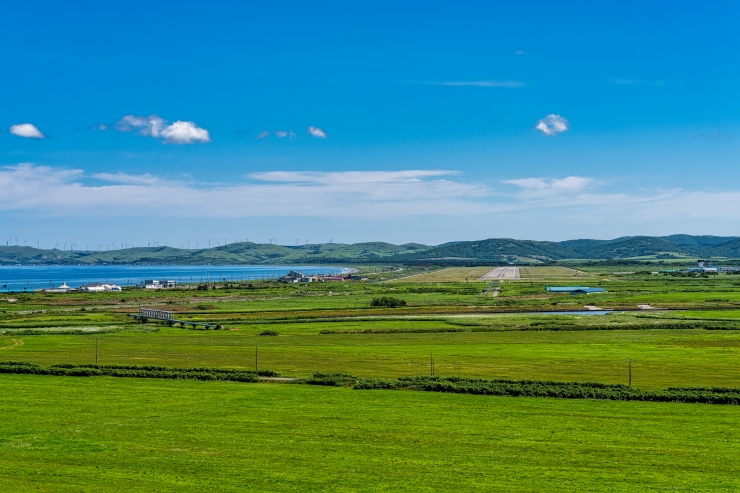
column 20, row 278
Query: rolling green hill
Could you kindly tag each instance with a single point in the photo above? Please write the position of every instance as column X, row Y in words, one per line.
column 494, row 250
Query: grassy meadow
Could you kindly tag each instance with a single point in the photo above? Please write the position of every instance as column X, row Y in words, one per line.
column 76, row 434
column 141, row 435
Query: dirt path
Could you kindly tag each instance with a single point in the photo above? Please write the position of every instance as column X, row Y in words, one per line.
column 16, row 343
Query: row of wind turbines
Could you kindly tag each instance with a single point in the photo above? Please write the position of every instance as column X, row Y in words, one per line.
column 185, row 245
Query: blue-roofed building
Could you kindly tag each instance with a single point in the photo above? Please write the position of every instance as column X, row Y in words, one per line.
column 575, row 289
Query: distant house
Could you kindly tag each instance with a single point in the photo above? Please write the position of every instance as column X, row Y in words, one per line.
column 575, row 290
column 61, row 289
column 155, row 284
column 97, row 287
column 700, row 267
column 331, row 278
column 292, row 277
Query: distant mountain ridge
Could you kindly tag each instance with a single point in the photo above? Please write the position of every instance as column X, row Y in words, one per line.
column 494, row 250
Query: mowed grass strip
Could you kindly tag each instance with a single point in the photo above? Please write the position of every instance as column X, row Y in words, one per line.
column 73, row 434
column 451, row 274
column 661, row 358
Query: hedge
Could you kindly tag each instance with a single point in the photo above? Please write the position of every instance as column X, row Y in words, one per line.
column 136, row 371
column 535, row 388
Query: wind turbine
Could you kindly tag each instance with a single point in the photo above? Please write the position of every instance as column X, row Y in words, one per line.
column 65, row 246
column 209, row 243
column 225, row 240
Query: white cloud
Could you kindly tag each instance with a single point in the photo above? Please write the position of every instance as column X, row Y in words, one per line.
column 356, row 195
column 27, row 130
column 359, row 194
column 180, row 132
column 484, row 83
column 552, row 125
column 543, row 187
column 147, row 126
column 281, row 134
column 98, row 126
column 316, row 132
column 262, row 135
column 519, row 52
column 343, row 178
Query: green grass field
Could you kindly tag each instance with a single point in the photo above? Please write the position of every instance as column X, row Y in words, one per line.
column 661, row 358
column 103, row 434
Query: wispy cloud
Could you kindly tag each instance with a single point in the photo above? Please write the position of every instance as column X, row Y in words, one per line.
column 547, row 187
column 145, row 179
column 26, row 130
column 179, row 132
column 316, row 132
column 482, row 83
column 98, row 126
column 359, row 194
column 552, row 125
column 370, row 195
column 715, row 136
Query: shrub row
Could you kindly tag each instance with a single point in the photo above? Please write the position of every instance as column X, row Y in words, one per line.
column 78, row 332
column 136, row 371
column 393, row 331
column 471, row 327
column 534, row 388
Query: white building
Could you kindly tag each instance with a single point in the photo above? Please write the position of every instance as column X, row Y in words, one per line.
column 61, row 289
column 155, row 284
column 97, row 287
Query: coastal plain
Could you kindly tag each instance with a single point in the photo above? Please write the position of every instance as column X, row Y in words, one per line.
column 140, row 434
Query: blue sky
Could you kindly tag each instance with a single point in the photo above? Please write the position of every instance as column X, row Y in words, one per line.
column 367, row 121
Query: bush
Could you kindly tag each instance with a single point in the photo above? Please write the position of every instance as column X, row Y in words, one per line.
column 533, row 388
column 136, row 371
column 269, row 333
column 387, row 302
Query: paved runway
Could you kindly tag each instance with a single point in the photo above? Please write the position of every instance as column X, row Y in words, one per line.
column 501, row 273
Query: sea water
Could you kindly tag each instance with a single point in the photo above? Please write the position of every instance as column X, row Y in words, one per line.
column 20, row 278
